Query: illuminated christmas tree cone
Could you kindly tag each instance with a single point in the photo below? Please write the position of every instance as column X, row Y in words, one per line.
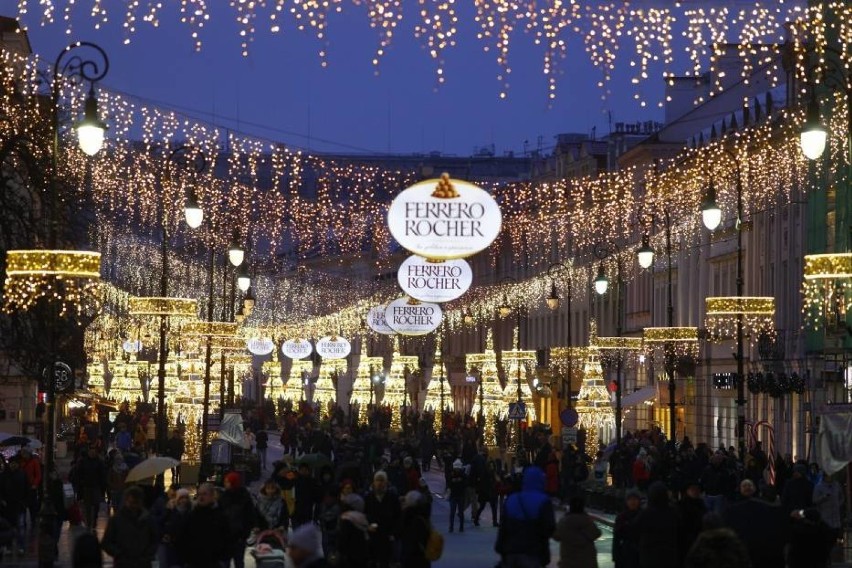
column 433, row 391
column 274, row 387
column 512, row 360
column 594, row 405
column 395, row 384
column 492, row 397
column 325, row 394
column 368, row 367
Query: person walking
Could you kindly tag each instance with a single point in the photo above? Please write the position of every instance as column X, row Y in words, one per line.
column 271, row 506
column 383, row 512
column 176, row 516
column 261, row 440
column 303, row 548
column 457, row 487
column 656, row 529
column 576, row 533
column 353, row 539
column 203, row 539
column 90, row 476
column 241, row 515
column 527, row 522
column 828, row 499
column 415, row 531
column 31, row 466
column 625, row 550
column 761, row 526
column 486, row 492
column 175, row 448
column 115, row 481
column 798, row 491
column 131, row 537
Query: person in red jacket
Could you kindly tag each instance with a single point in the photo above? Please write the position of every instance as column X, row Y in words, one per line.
column 31, row 467
column 642, row 470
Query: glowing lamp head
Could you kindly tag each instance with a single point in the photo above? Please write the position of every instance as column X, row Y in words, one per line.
column 91, row 129
column 711, row 214
column 645, row 254
column 601, row 281
column 468, row 317
column 813, row 135
column 192, row 212
column 236, row 253
column 248, row 301
column 243, row 280
column 553, row 298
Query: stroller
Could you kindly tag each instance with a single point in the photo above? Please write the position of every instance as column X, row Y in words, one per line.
column 268, row 550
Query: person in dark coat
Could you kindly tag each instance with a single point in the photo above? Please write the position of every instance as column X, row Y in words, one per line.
column 203, row 540
column 716, row 548
column 656, row 530
column 261, row 440
column 238, row 507
column 14, row 488
column 87, row 552
column 307, row 496
column 303, row 548
column 383, row 512
column 486, row 492
column 625, row 551
column 354, row 533
column 131, row 535
column 811, row 540
column 457, row 486
column 415, row 531
column 90, row 476
column 172, row 526
column 760, row 525
column 691, row 510
column 527, row 522
column 798, row 491
column 576, row 533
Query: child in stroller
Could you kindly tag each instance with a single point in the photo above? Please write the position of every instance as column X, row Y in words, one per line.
column 269, row 549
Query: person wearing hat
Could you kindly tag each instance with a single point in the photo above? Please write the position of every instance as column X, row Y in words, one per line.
column 457, row 487
column 383, row 512
column 625, row 552
column 761, row 526
column 353, row 533
column 303, row 547
column 241, row 515
column 203, row 538
column 175, row 517
column 526, row 523
column 798, row 491
column 415, row 531
column 131, row 535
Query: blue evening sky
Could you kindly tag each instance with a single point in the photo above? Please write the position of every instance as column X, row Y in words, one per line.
column 281, row 92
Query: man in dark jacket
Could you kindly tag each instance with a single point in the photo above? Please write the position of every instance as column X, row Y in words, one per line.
column 798, row 491
column 261, row 440
column 131, row 536
column 203, row 540
column 526, row 523
column 457, row 487
column 760, row 525
column 90, row 476
column 625, row 551
column 241, row 515
column 383, row 512
column 175, row 448
column 656, row 530
column 691, row 510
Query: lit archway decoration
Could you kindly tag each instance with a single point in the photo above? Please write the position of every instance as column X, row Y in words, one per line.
column 723, row 312
column 69, row 278
column 825, row 288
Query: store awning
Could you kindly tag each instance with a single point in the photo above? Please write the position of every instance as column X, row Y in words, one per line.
column 639, row 396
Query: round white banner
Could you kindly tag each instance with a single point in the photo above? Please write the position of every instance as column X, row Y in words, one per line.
column 434, row 281
column 260, row 346
column 297, row 348
column 333, row 347
column 444, row 218
column 376, row 320
column 132, row 346
column 408, row 316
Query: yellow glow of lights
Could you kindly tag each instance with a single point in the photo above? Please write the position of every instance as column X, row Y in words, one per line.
column 828, row 266
column 211, row 329
column 617, row 343
column 670, row 334
column 735, row 305
column 70, row 263
column 723, row 313
column 493, row 402
column 368, row 367
column 154, row 306
column 594, row 407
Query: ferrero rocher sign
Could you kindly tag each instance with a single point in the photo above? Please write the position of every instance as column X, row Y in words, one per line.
column 260, row 346
column 434, row 280
column 333, row 347
column 297, row 348
column 377, row 322
column 443, row 219
column 408, row 316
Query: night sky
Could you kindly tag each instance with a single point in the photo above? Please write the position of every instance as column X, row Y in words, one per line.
column 280, row 92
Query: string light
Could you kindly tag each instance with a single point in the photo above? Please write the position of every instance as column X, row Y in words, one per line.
column 362, row 386
column 594, row 408
column 676, row 341
column 825, row 288
column 493, row 404
column 396, row 383
column 723, row 313
column 154, row 306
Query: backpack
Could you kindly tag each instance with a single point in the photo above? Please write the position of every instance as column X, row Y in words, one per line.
column 434, row 545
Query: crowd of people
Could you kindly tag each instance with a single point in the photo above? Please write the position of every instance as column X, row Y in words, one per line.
column 353, row 496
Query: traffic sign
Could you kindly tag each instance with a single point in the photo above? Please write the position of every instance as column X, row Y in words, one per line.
column 517, row 411
column 569, row 436
column 569, row 417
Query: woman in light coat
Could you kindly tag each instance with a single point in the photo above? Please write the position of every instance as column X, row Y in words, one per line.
column 577, row 533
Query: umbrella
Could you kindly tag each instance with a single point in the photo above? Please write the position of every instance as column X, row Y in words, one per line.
column 151, row 467
column 20, row 441
column 315, row 461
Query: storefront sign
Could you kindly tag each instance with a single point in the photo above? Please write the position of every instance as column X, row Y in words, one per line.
column 132, row 346
column 260, row 346
column 333, row 347
column 434, row 281
column 377, row 322
column 445, row 218
column 408, row 316
column 297, row 348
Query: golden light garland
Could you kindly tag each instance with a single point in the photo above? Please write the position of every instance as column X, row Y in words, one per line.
column 224, row 329
column 300, row 369
column 517, row 363
column 673, row 341
column 66, row 277
column 723, row 313
column 396, row 382
column 325, row 393
column 368, row 367
column 825, row 290
column 275, row 388
column 155, row 306
column 433, row 392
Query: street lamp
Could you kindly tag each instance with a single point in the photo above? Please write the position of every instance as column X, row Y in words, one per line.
column 192, row 211
column 645, row 254
column 90, row 129
column 711, row 214
column 236, row 253
column 602, row 252
column 813, row 135
column 243, row 278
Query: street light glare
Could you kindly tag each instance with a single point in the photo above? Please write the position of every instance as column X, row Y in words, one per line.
column 645, row 255
column 194, row 215
column 601, row 282
column 813, row 139
column 711, row 215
